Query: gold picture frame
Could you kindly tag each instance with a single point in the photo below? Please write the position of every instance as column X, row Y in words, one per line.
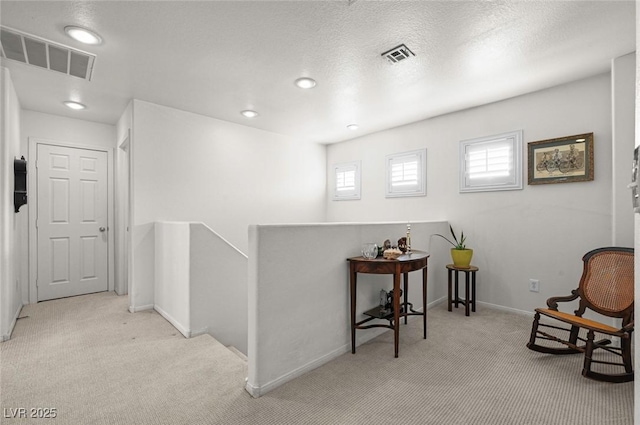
column 561, row 160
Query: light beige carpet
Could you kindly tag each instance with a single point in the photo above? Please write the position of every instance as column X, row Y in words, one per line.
column 95, row 363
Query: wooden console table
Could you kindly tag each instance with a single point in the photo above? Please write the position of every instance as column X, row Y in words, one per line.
column 404, row 264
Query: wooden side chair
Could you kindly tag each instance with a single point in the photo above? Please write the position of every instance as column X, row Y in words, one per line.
column 606, row 287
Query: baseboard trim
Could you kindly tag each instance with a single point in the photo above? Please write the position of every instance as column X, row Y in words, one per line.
column 238, row 353
column 135, row 309
column 259, row 390
column 182, row 329
column 253, row 390
column 7, row 337
column 198, row 332
column 503, row 308
column 436, row 302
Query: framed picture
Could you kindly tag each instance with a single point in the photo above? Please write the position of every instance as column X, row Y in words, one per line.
column 563, row 160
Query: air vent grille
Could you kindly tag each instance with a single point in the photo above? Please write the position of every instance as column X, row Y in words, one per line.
column 398, row 53
column 36, row 51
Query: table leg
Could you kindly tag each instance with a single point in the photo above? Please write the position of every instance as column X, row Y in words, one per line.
column 405, row 281
column 424, row 302
column 473, row 291
column 467, row 295
column 396, row 311
column 449, row 295
column 457, row 295
column 352, row 289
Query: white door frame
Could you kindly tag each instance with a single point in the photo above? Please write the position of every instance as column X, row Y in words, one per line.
column 32, row 200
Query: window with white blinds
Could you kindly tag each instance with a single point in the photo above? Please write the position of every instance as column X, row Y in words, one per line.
column 491, row 163
column 407, row 174
column 347, row 181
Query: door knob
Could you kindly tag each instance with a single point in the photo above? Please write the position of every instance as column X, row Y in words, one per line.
column 102, row 229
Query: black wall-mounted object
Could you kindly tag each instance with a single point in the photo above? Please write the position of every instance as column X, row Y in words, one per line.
column 20, row 191
column 635, row 181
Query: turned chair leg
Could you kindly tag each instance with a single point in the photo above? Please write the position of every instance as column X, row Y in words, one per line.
column 588, row 353
column 573, row 335
column 534, row 329
column 625, row 343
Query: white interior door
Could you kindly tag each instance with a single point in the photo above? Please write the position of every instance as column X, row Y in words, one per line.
column 71, row 222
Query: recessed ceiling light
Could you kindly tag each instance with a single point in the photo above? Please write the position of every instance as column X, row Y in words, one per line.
column 305, row 83
column 82, row 35
column 248, row 113
column 353, row 126
column 74, row 105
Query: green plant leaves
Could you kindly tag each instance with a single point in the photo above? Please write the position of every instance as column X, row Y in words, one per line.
column 459, row 244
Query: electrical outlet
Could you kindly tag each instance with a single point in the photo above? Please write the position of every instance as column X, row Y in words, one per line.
column 534, row 285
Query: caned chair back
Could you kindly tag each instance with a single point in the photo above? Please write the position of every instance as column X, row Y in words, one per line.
column 607, row 282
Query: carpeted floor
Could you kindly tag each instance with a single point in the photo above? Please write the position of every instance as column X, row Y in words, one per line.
column 96, row 363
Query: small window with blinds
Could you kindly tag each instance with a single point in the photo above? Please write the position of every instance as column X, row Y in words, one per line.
column 406, row 174
column 491, row 163
column 347, row 181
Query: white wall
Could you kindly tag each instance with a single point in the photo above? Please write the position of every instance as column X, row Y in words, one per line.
column 200, row 282
column 37, row 125
column 623, row 70
column 122, row 204
column 172, row 281
column 11, row 234
column 188, row 167
column 636, row 355
column 125, row 123
column 78, row 131
column 218, row 277
column 540, row 232
column 299, row 299
column 139, row 237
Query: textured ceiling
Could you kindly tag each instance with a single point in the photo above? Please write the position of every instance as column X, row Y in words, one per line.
column 217, row 58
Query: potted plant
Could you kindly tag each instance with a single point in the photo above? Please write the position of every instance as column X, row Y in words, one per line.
column 460, row 254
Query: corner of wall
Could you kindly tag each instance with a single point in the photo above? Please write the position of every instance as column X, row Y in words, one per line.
column 252, row 312
column 622, row 134
column 141, row 296
column 10, row 225
column 171, row 285
column 636, row 243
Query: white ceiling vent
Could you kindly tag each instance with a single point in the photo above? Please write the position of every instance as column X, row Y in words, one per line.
column 398, row 54
column 32, row 50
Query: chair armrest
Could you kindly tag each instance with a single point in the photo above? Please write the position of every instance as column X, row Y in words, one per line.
column 553, row 301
